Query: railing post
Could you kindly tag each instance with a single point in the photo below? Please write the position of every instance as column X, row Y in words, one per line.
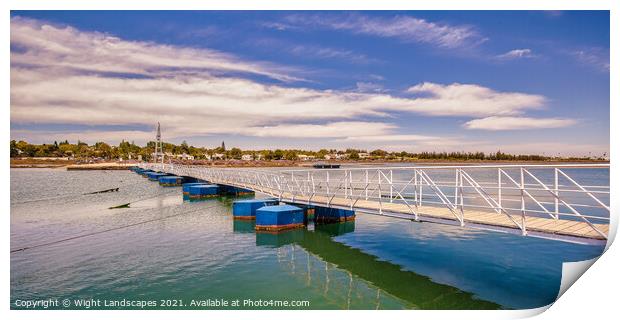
column 346, row 192
column 421, row 190
column 523, row 230
column 379, row 181
column 462, row 202
column 366, row 186
column 391, row 186
column 557, row 193
column 415, row 186
column 327, row 179
column 456, row 185
column 351, row 184
column 499, row 187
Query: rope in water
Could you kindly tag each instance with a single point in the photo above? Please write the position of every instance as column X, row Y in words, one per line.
column 67, row 195
column 107, row 230
column 124, row 205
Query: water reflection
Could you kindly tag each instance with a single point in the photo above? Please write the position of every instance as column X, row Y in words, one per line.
column 316, row 255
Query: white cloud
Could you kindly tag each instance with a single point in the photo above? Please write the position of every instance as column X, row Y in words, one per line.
column 406, row 28
column 518, row 123
column 470, row 100
column 328, row 130
column 63, row 75
column 391, row 138
column 42, row 44
column 516, row 54
column 594, row 57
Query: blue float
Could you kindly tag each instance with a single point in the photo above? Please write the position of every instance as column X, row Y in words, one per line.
column 329, row 215
column 154, row 176
column 277, row 218
column 170, row 181
column 236, row 191
column 186, row 186
column 246, row 209
column 308, row 211
column 145, row 172
column 203, row 191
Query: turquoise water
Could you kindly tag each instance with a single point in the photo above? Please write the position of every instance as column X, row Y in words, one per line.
column 201, row 253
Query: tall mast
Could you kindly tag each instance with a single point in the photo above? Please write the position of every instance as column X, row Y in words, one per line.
column 159, row 146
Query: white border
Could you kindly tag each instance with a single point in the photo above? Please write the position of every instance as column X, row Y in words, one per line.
column 593, row 296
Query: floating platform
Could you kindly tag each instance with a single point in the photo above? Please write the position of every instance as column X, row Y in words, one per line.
column 246, row 209
column 326, row 166
column 236, row 191
column 170, row 181
column 278, row 218
column 204, row 191
column 330, row 215
column 186, row 186
column 154, row 176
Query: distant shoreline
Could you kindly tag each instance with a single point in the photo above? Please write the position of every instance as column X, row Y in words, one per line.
column 73, row 165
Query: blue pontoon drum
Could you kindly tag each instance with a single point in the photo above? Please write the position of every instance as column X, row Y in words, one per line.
column 170, row 181
column 186, row 186
column 277, row 218
column 203, row 191
column 246, row 209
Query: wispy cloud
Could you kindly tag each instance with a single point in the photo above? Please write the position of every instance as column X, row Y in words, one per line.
column 317, row 52
column 65, row 47
column 391, row 138
column 518, row 123
column 370, row 87
column 597, row 58
column 516, row 54
column 405, row 28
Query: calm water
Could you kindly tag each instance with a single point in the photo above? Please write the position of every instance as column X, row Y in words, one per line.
column 374, row 262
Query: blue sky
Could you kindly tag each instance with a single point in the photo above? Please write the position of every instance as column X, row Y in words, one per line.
column 519, row 81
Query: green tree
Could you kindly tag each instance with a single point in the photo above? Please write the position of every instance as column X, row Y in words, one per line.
column 235, row 153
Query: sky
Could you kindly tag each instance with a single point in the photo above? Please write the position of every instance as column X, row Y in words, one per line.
column 515, row 81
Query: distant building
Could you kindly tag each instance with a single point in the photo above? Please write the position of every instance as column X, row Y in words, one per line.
column 334, row 156
column 223, row 146
column 247, row 157
column 215, row 156
column 363, row 155
column 184, row 156
column 305, row 157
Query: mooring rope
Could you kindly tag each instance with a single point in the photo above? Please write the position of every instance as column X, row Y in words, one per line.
column 108, row 230
column 125, row 205
column 70, row 195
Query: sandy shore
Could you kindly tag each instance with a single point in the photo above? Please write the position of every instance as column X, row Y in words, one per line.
column 101, row 166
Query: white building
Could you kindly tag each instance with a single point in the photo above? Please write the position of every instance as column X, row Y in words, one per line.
column 305, row 157
column 334, row 156
column 247, row 157
column 184, row 156
column 363, row 155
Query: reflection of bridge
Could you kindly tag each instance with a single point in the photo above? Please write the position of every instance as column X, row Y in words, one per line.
column 333, row 269
column 566, row 202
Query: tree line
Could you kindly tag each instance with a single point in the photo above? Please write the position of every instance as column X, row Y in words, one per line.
column 126, row 150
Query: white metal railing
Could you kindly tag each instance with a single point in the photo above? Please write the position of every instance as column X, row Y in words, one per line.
column 567, row 191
